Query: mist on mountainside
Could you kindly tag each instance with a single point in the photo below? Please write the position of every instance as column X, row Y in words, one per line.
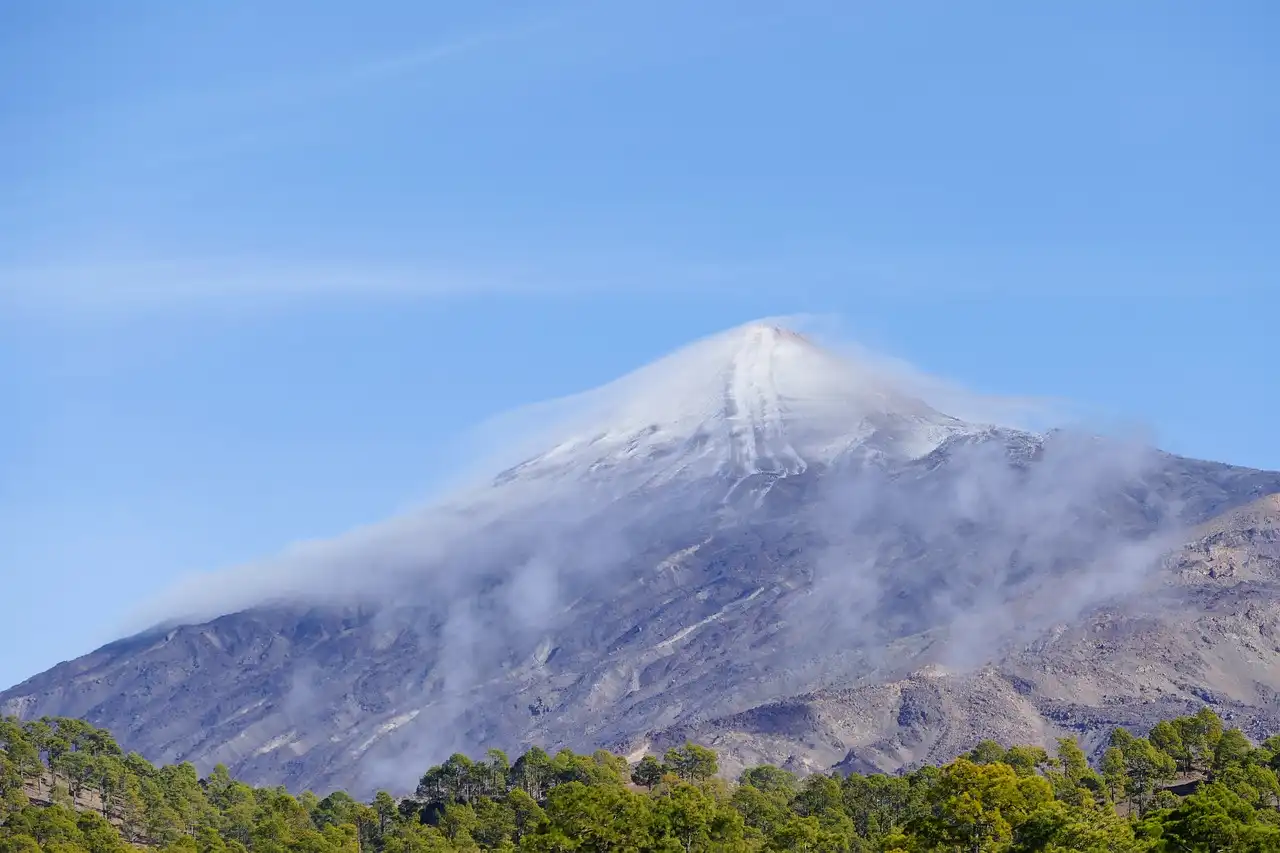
column 540, row 473
column 754, row 517
column 498, row 565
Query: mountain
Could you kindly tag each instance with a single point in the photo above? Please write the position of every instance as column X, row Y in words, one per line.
column 755, row 542
column 1209, row 634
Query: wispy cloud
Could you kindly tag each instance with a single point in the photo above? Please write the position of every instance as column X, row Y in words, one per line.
column 309, row 86
column 130, row 287
column 396, row 66
column 223, row 117
column 308, row 83
column 138, row 283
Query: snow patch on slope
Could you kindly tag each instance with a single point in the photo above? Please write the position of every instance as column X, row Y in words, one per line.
column 756, row 399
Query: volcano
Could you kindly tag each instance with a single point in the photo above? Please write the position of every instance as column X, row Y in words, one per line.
column 755, row 542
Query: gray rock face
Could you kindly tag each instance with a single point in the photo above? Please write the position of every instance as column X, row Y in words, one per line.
column 1205, row 630
column 869, row 612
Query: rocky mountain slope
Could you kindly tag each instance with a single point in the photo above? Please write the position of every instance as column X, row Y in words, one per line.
column 1207, row 632
column 755, row 543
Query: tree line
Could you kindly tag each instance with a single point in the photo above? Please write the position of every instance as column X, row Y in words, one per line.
column 91, row 797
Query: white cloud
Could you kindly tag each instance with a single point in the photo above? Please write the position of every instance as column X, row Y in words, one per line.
column 123, row 287
column 179, row 283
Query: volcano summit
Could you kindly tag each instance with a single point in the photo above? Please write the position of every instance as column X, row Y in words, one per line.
column 754, row 541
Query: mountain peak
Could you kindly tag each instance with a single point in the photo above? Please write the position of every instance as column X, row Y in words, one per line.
column 760, row 397
column 769, row 332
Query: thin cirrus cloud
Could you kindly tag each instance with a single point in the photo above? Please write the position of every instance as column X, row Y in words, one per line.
column 110, row 286
column 132, row 287
column 302, row 86
column 215, row 123
column 295, row 90
column 223, row 119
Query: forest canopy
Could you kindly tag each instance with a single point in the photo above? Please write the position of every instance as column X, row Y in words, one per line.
column 1191, row 784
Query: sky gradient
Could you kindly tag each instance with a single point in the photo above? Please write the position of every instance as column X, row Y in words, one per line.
column 263, row 265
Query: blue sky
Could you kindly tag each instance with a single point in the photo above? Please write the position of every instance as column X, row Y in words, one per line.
column 262, row 264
